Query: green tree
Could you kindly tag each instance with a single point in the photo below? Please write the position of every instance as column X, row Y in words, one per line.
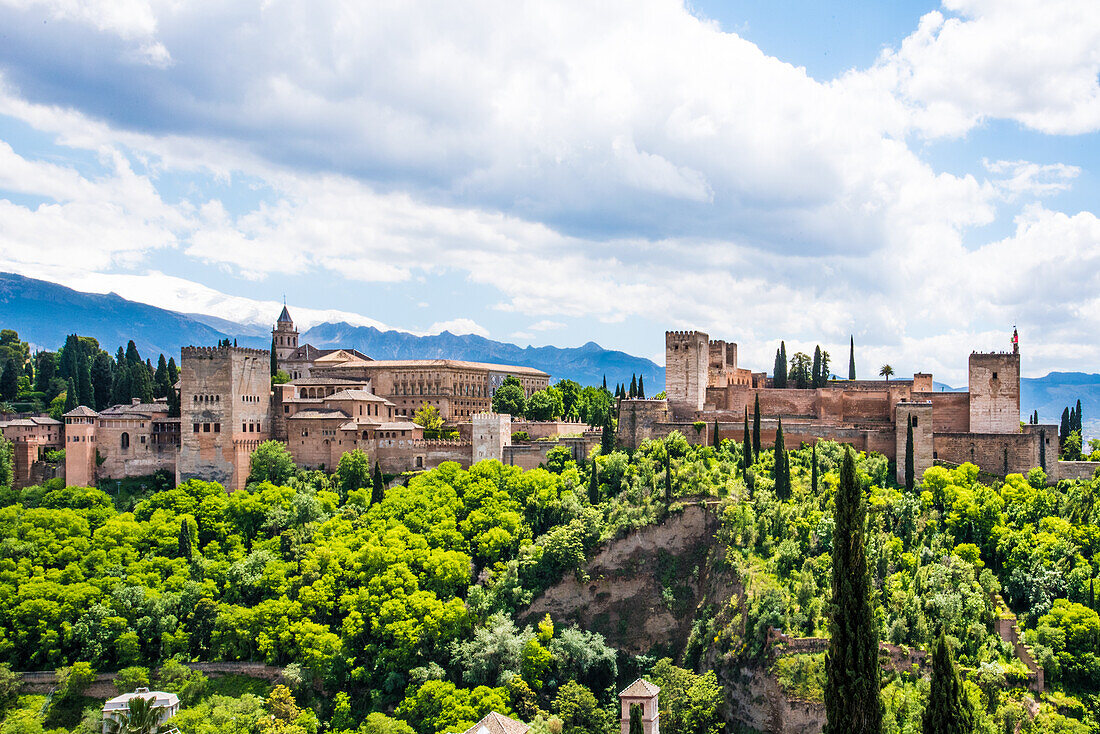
column 800, row 371
column 102, row 380
column 813, row 470
column 715, row 440
column 160, row 379
column 72, row 399
column 427, row 415
column 779, row 369
column 948, row 710
column 886, row 371
column 139, row 717
column 756, row 427
column 852, row 700
column 45, row 369
column 746, row 445
column 545, row 405
column 571, row 398
column 633, row 387
column 578, row 710
column 271, row 462
column 1063, row 429
column 910, row 467
column 9, row 381
column 852, row 358
column 641, row 387
column 635, row 718
column 1080, row 427
column 185, row 540
column 510, row 398
column 84, row 382
column 607, row 438
column 594, row 485
column 378, row 486
column 273, row 360
column 782, row 466
column 352, row 473
column 816, row 379
column 131, row 678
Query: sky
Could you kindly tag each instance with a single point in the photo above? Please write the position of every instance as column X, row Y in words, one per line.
column 922, row 176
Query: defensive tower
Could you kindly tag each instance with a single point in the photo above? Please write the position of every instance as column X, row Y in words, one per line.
column 687, row 354
column 284, row 337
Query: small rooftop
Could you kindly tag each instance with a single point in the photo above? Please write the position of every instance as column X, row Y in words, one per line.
column 494, row 723
column 640, row 689
column 160, row 699
column 357, row 395
column 80, row 411
column 318, row 413
column 284, row 316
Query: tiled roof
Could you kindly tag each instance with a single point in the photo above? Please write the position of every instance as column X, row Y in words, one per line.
column 160, row 699
column 284, row 317
column 81, row 411
column 311, row 381
column 495, row 723
column 401, row 426
column 640, row 689
column 319, row 413
column 357, row 395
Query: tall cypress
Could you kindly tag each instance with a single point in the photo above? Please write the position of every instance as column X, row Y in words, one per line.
column 593, row 485
column 756, row 427
column 816, row 377
column 71, row 397
column 185, row 540
column 607, row 437
column 668, row 475
column 102, row 380
column 716, row 442
column 1080, row 428
column 173, row 371
column 633, row 386
column 635, row 719
column 783, row 359
column 378, row 485
column 779, row 371
column 746, row 448
column 1063, row 429
column 641, row 388
column 813, row 470
column 948, row 710
column 852, row 358
column 782, row 466
column 852, row 701
column 274, row 358
column 605, row 383
column 910, row 466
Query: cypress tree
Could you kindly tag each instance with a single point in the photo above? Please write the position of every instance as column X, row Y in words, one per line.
column 910, row 467
column 756, row 427
column 1072, row 420
column 607, row 437
column 173, row 371
column 102, row 380
column 1092, row 596
column 641, row 388
column 274, row 358
column 9, row 381
column 852, row 701
column 779, row 371
column 605, row 383
column 783, row 357
column 717, row 442
column 635, row 719
column 160, row 379
column 71, row 400
column 378, row 488
column 948, row 711
column 816, row 377
column 1063, row 429
column 121, row 389
column 852, row 359
column 84, row 382
column 813, row 470
column 633, row 386
column 746, row 448
column 668, row 475
column 1036, row 416
column 1080, row 428
column 185, row 540
column 782, row 467
column 593, row 485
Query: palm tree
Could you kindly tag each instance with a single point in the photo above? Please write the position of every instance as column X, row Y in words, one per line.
column 886, row 371
column 140, row 717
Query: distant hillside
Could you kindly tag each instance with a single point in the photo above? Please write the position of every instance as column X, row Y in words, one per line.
column 586, row 364
column 1059, row 390
column 45, row 313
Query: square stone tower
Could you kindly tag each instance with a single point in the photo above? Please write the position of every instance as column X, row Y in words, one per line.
column 491, row 433
column 921, row 413
column 80, row 430
column 687, row 355
column 995, row 392
column 225, row 402
column 284, row 337
column 641, row 693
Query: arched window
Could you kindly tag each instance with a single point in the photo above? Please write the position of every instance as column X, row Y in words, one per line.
column 124, row 442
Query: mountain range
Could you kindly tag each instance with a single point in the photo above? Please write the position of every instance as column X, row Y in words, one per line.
column 44, row 313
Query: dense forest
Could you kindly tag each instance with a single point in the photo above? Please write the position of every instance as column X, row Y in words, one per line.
column 397, row 611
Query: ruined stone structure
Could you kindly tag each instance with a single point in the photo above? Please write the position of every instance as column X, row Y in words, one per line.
column 225, row 404
column 458, row 389
column 704, row 383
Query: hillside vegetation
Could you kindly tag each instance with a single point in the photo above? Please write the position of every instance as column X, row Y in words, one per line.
column 401, row 616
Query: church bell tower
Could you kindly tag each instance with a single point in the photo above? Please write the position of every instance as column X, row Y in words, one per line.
column 284, row 337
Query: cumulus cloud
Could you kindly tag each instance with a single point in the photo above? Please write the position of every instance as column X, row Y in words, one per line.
column 1024, row 178
column 458, row 326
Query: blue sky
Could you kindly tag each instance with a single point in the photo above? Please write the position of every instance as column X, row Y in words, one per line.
column 923, row 176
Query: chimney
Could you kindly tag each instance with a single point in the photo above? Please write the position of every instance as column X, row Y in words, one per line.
column 135, row 401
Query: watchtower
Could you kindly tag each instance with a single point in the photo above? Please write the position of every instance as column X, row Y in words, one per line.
column 921, row 414
column 80, row 464
column 225, row 401
column 687, row 354
column 284, row 337
column 491, row 433
column 644, row 694
column 994, row 382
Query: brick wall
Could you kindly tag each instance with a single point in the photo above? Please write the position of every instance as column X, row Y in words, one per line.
column 923, row 450
column 990, row 451
column 994, row 393
column 950, row 412
column 640, row 420
column 686, row 357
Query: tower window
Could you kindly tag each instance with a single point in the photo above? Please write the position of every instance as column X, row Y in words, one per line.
column 994, row 375
column 914, row 423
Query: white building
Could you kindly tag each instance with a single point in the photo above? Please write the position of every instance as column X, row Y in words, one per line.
column 166, row 705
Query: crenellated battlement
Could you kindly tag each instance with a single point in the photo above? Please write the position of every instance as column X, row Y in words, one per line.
column 685, row 335
column 223, row 351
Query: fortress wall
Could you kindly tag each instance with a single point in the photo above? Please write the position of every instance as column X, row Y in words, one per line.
column 994, row 393
column 530, row 455
column 996, row 453
column 640, row 420
column 950, row 411
column 861, row 407
column 1073, row 470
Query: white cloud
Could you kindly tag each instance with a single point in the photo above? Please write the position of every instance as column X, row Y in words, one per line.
column 458, row 326
column 1031, row 179
column 546, row 325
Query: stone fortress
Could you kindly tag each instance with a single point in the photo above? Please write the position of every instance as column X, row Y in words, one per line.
column 338, row 400
column 705, row 386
